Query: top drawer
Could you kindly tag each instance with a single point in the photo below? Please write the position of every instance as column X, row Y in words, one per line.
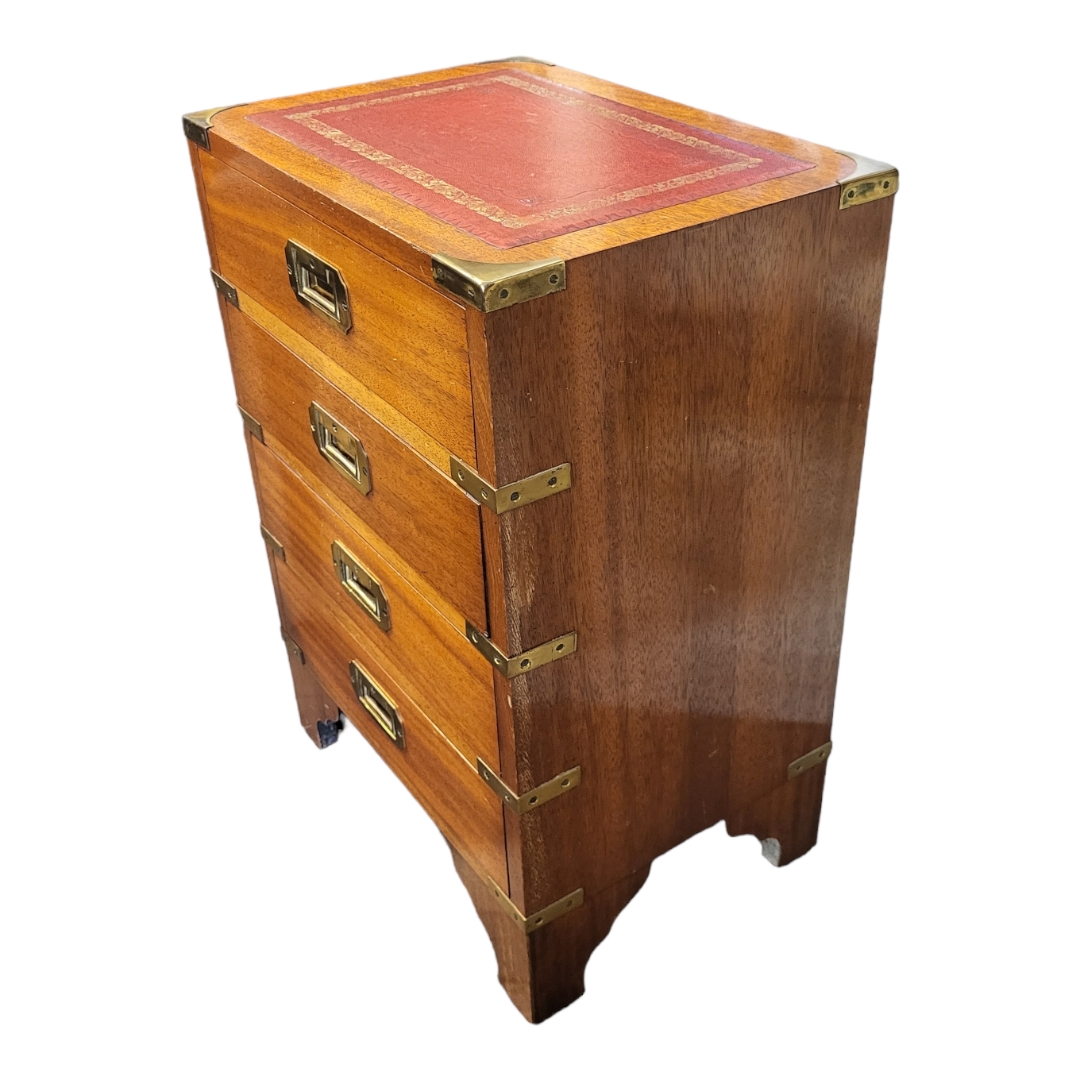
column 407, row 342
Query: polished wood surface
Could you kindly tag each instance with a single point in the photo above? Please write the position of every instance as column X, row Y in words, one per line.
column 434, row 453
column 403, row 234
column 711, row 393
column 466, row 810
column 312, row 702
column 707, row 374
column 426, row 655
column 423, row 518
column 407, row 342
column 544, row 971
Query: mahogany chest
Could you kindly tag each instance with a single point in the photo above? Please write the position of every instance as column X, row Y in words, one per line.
column 555, row 396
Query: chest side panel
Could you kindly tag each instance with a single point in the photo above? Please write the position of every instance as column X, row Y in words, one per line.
column 710, row 389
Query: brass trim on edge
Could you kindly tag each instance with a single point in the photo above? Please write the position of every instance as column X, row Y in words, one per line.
column 808, row 761
column 529, row 923
column 513, row 666
column 226, row 289
column 520, row 60
column 510, row 496
column 197, row 125
column 273, row 542
column 871, row 180
column 252, row 425
column 491, row 286
column 522, row 804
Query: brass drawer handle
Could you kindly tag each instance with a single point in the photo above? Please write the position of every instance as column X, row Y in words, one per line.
column 318, row 286
column 379, row 706
column 361, row 585
column 340, row 447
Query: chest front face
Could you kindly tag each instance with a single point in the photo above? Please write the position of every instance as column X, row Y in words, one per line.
column 555, row 396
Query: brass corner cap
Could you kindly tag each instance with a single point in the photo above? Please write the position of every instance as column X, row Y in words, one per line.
column 870, row 180
column 491, row 286
column 197, row 125
column 520, row 60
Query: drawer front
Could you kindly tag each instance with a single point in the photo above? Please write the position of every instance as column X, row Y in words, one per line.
column 407, row 343
column 466, row 810
column 446, row 677
column 414, row 508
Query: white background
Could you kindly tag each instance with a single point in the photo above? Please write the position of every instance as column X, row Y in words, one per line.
column 189, row 889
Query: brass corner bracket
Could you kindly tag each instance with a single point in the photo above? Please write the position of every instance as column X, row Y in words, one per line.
column 513, row 666
column 522, row 804
column 197, row 125
column 871, row 180
column 275, row 545
column 808, row 761
column 293, row 647
column 226, row 289
column 529, row 923
column 490, row 286
column 520, row 60
column 509, row 496
column 252, row 425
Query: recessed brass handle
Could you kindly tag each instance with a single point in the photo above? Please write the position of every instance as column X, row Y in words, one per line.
column 361, row 585
column 340, row 447
column 318, row 286
column 378, row 704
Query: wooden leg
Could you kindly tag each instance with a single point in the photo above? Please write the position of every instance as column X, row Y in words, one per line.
column 318, row 713
column 785, row 820
column 544, row 971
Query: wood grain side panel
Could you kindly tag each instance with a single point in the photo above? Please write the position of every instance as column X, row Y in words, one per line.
column 466, row 810
column 711, row 394
column 447, row 678
column 407, row 342
column 417, row 510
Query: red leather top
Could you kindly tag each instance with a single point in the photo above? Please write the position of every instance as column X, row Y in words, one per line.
column 512, row 158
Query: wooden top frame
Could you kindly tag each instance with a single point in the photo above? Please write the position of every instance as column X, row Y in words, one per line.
column 407, row 235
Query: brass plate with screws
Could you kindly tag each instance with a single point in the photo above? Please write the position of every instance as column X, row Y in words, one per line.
column 226, row 289
column 293, row 647
column 491, row 286
column 252, row 425
column 513, row 666
column 871, row 180
column 522, row 804
column 197, row 125
column 510, row 496
column 273, row 542
column 808, row 761
column 529, row 923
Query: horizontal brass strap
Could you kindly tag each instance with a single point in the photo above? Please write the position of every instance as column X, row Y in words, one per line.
column 808, row 761
column 252, row 425
column 513, row 666
column 529, row 923
column 509, row 496
column 275, row 545
column 522, row 804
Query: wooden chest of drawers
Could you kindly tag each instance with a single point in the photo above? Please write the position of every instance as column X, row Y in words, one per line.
column 555, row 395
